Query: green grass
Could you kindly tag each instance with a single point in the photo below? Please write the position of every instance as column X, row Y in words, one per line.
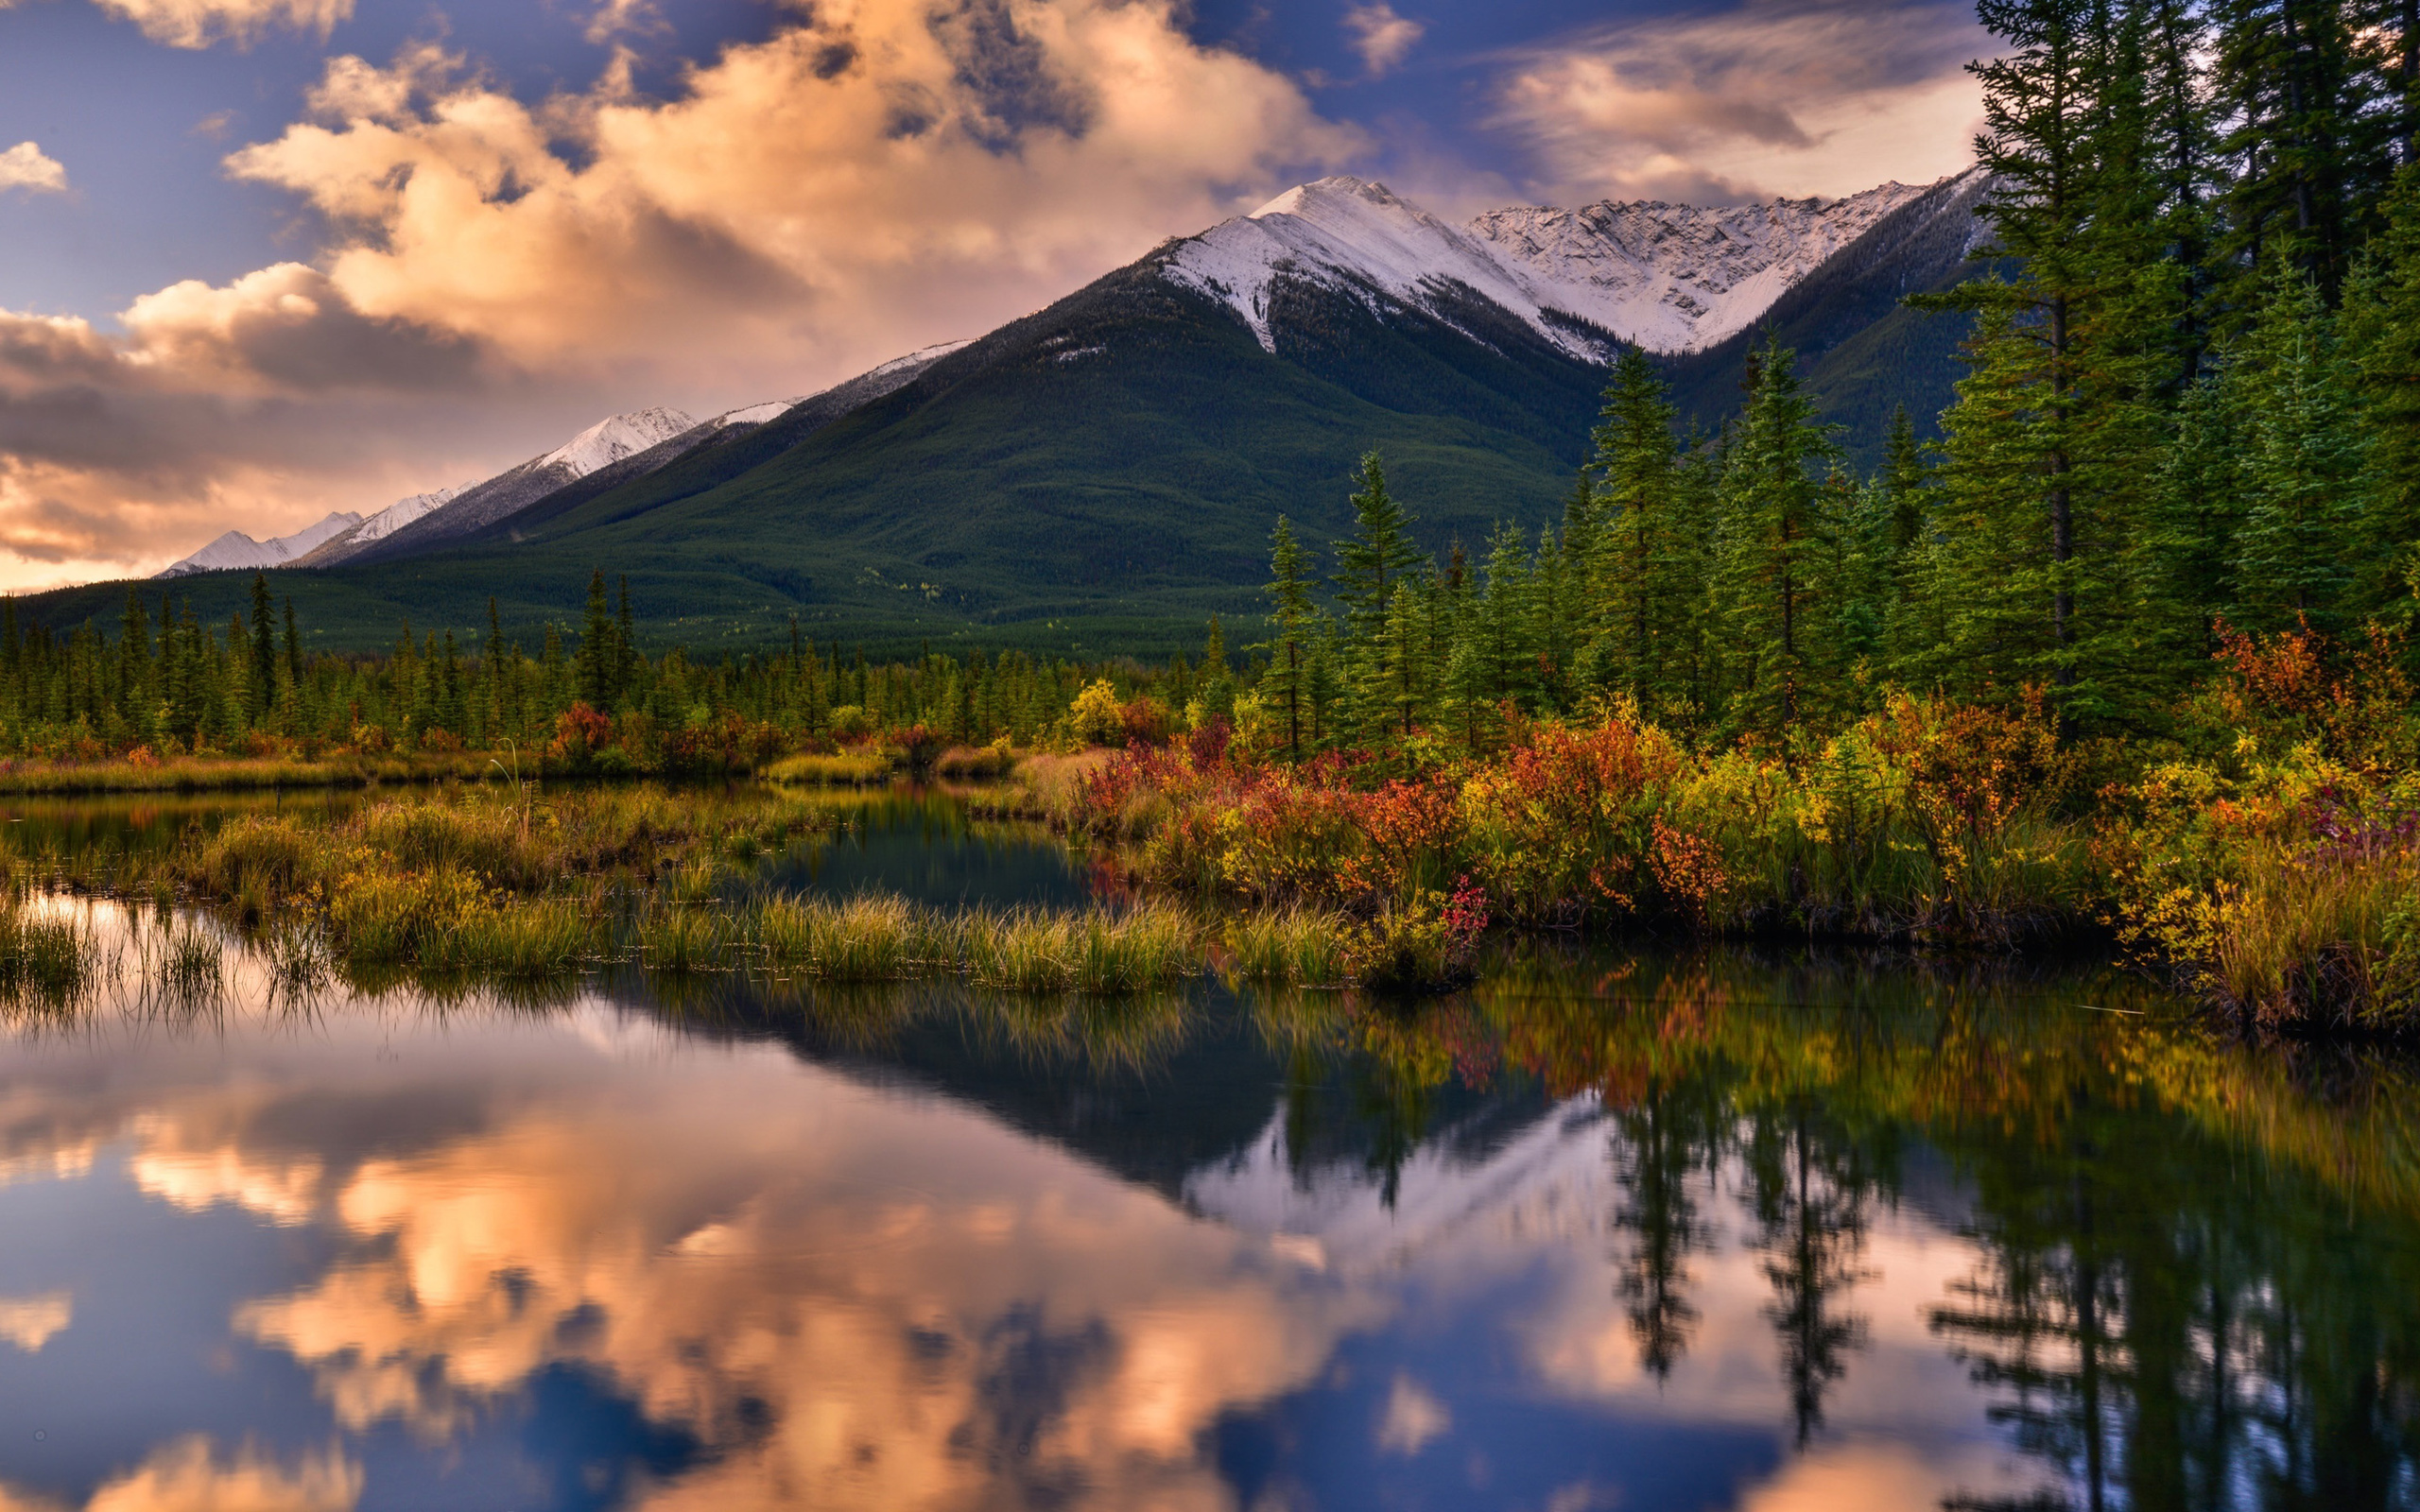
column 674, row 938
column 1298, row 946
column 51, row 962
column 188, row 971
column 842, row 769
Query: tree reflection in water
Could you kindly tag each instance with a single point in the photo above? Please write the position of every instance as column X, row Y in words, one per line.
column 1722, row 1218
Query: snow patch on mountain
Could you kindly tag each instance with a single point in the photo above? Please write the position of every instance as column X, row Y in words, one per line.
column 235, row 550
column 1675, row 278
column 611, row 440
column 1671, row 278
column 403, row 511
column 1355, row 237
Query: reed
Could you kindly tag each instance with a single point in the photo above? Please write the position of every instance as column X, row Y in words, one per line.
column 677, row 940
column 1297, row 946
column 868, row 938
column 298, row 958
column 51, row 961
column 189, row 971
column 524, row 938
column 842, row 769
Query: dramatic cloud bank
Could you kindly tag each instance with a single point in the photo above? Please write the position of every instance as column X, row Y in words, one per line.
column 1775, row 96
column 877, row 176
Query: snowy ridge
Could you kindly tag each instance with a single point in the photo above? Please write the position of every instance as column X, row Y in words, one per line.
column 235, row 550
column 403, row 511
column 1675, row 278
column 1356, row 237
column 612, row 439
column 1671, row 278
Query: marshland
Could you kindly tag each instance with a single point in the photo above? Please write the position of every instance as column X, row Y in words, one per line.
column 627, row 1134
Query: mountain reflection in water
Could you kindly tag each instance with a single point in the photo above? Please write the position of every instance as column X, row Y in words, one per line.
column 1712, row 1232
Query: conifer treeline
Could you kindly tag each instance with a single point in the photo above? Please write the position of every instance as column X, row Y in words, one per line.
column 169, row 684
column 2191, row 404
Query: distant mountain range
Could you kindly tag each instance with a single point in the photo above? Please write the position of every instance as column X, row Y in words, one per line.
column 1103, row 474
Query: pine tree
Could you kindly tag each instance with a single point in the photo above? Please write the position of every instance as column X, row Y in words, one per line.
column 2304, row 471
column 1370, row 569
column 1633, row 599
column 2198, row 503
column 260, row 692
column 1504, row 618
column 598, row 658
column 2310, row 145
column 1292, row 616
column 1780, row 616
column 2382, row 336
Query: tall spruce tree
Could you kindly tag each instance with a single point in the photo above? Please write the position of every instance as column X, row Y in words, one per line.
column 1371, row 569
column 1778, row 612
column 261, row 688
column 1634, row 598
column 2382, row 336
column 600, row 657
column 2305, row 468
column 1292, row 618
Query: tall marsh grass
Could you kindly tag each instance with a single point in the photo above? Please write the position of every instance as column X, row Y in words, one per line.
column 858, row 768
column 1299, row 945
column 883, row 938
column 49, row 962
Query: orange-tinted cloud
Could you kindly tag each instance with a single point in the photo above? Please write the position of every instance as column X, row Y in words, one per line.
column 1770, row 97
column 200, row 23
column 877, row 176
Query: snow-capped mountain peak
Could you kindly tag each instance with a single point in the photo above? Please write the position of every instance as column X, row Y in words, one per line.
column 1674, row 278
column 1347, row 233
column 403, row 511
column 1671, row 278
column 235, row 550
column 611, row 440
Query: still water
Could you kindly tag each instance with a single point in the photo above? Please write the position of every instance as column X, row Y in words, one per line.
column 1725, row 1230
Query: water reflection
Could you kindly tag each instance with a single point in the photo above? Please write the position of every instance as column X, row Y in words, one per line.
column 1717, row 1231
column 923, row 844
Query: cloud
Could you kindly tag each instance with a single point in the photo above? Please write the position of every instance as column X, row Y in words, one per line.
column 1382, row 38
column 875, row 177
column 880, row 174
column 1411, row 1418
column 31, row 1322
column 23, row 167
column 186, row 1476
column 200, row 23
column 614, row 17
column 1770, row 98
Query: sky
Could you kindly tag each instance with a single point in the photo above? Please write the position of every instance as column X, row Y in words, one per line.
column 264, row 259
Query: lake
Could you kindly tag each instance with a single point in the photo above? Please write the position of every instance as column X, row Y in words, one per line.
column 1620, row 1227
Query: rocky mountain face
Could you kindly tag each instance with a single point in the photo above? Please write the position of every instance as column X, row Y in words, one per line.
column 1667, row 278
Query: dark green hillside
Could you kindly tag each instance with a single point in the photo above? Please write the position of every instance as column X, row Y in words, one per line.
column 1103, row 474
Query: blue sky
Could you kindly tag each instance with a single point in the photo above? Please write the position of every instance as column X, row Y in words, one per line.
column 264, row 258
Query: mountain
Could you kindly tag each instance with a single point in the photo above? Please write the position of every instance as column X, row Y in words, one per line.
column 1862, row 351
column 815, row 409
column 237, row 552
column 1102, row 475
column 380, row 525
column 1667, row 278
column 603, row 444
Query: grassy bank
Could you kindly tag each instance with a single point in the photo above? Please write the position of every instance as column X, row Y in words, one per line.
column 232, row 774
column 2264, row 852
